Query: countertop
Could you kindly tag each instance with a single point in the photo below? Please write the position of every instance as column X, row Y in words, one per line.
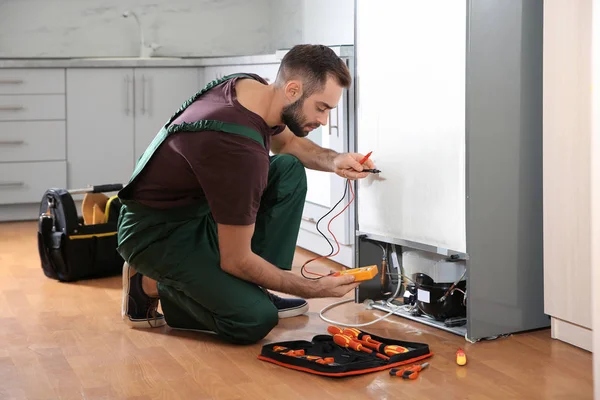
column 136, row 62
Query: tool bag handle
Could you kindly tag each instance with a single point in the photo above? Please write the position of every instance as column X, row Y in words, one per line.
column 114, row 187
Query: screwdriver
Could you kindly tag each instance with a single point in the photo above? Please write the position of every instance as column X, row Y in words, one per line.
column 392, row 350
column 370, row 342
column 346, row 341
column 354, row 334
column 334, row 330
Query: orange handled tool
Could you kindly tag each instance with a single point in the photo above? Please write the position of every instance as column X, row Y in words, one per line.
column 392, row 350
column 364, row 339
column 294, row 353
column 368, row 341
column 410, row 372
column 346, row 341
column 334, row 330
column 326, row 360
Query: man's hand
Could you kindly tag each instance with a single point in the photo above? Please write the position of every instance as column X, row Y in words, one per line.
column 334, row 286
column 347, row 165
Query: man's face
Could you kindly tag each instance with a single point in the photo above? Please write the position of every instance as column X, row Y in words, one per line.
column 308, row 113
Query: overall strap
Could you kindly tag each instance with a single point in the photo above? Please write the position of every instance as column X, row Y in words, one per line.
column 201, row 125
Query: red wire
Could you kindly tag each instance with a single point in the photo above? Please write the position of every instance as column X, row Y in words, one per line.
column 334, row 238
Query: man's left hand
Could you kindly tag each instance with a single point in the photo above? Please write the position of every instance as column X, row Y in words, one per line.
column 347, row 165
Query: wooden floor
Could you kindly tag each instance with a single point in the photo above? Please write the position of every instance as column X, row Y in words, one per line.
column 67, row 341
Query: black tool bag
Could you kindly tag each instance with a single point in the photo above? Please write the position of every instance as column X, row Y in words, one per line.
column 323, row 356
column 69, row 249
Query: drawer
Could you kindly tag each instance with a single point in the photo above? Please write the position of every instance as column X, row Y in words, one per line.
column 32, row 141
column 32, row 81
column 32, row 107
column 27, row 182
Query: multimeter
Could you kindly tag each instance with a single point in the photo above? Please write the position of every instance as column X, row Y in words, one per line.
column 360, row 274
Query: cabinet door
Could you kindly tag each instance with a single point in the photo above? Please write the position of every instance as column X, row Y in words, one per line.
column 99, row 126
column 159, row 92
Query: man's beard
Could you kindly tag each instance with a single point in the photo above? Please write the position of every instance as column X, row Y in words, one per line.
column 292, row 116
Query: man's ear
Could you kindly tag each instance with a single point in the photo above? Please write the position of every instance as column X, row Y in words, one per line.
column 293, row 90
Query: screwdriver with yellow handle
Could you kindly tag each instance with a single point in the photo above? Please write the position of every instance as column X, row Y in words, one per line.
column 346, row 341
column 368, row 341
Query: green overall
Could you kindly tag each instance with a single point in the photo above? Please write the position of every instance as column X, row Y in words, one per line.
column 179, row 247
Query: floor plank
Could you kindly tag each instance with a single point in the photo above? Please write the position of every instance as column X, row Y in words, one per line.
column 67, row 341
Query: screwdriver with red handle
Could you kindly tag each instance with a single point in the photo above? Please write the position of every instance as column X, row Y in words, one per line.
column 368, row 341
column 346, row 341
column 334, row 330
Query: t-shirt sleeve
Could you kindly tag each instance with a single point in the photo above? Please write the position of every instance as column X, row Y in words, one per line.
column 233, row 175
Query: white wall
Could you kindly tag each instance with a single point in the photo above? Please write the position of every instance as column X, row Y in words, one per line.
column 184, row 28
column 286, row 23
column 329, row 22
column 95, row 28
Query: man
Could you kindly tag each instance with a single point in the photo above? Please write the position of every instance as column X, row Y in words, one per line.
column 210, row 220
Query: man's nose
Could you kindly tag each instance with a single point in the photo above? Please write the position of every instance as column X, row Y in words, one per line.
column 323, row 119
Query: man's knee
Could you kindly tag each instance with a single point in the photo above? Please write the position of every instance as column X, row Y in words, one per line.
column 290, row 170
column 253, row 326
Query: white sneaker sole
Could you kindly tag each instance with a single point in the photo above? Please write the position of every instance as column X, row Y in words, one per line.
column 145, row 323
column 294, row 312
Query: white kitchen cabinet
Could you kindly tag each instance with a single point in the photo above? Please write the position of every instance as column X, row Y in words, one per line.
column 32, row 138
column 159, row 92
column 100, row 126
column 567, row 171
column 113, row 115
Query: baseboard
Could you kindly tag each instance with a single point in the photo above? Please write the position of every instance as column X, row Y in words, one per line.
column 316, row 243
column 576, row 335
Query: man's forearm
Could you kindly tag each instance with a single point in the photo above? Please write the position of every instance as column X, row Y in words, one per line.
column 259, row 271
column 311, row 155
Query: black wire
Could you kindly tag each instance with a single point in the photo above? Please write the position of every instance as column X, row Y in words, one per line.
column 330, row 211
column 319, row 230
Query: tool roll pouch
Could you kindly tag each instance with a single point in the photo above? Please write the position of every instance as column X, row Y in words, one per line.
column 346, row 361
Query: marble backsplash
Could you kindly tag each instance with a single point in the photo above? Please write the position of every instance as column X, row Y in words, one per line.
column 183, row 28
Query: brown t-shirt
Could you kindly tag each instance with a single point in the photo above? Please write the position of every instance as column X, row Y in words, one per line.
column 229, row 170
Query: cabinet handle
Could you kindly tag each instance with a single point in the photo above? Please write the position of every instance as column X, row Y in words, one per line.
column 309, row 219
column 337, row 118
column 10, row 184
column 11, row 81
column 11, row 108
column 9, row 142
column 143, row 94
column 127, row 95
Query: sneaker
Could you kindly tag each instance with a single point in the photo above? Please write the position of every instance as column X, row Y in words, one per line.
column 138, row 310
column 289, row 307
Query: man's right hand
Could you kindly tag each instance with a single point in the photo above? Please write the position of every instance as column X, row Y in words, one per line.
column 334, row 286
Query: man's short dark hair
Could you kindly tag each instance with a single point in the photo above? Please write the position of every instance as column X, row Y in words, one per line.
column 313, row 64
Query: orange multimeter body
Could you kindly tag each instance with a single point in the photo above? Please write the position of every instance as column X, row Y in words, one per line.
column 360, row 274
